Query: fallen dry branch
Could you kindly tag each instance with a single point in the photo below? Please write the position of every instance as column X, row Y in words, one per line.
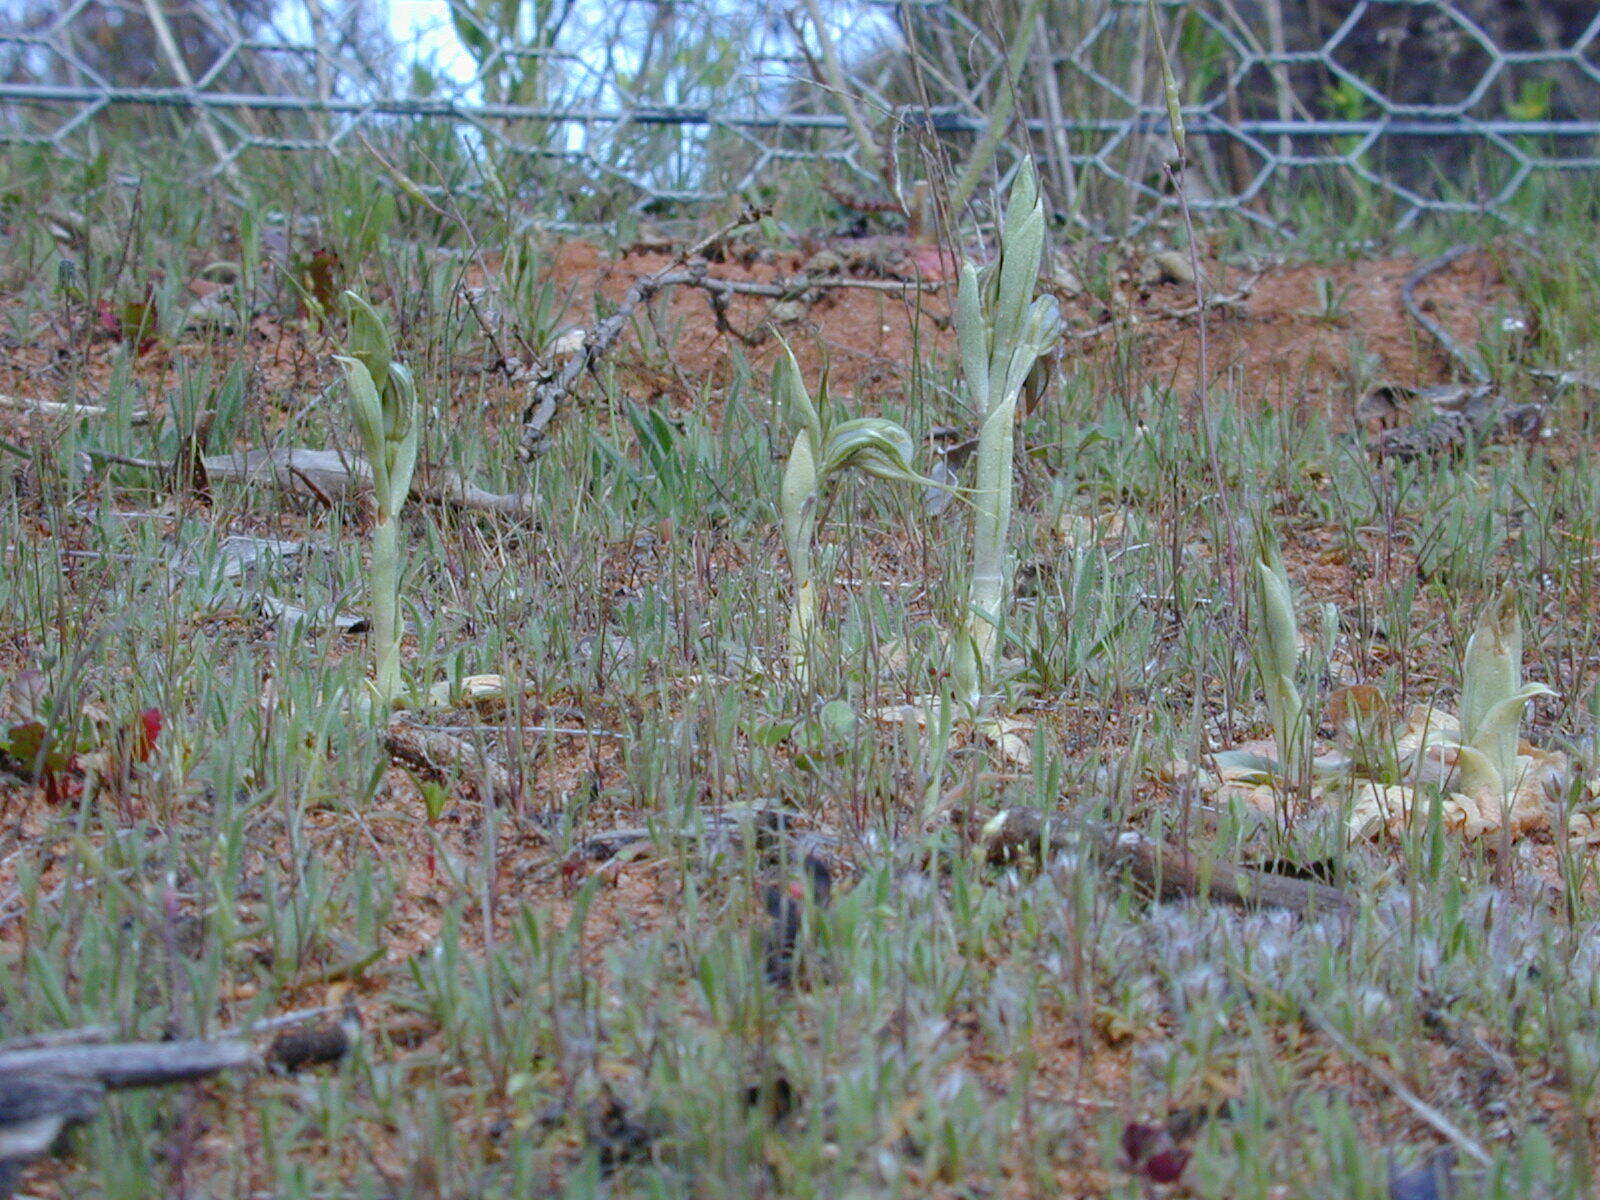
column 84, row 1035
column 1462, row 416
column 1408, row 297
column 1171, row 872
column 330, row 475
column 1387, row 1076
column 719, row 292
column 793, row 287
column 62, row 1079
column 1228, row 300
column 598, row 340
column 131, row 1064
column 55, row 408
column 1482, row 418
column 437, row 756
column 45, row 1089
column 1019, row 835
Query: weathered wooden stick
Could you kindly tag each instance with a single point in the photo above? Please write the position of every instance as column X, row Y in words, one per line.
column 1480, row 414
column 47, row 1088
column 1019, row 834
column 131, row 1064
column 332, row 474
column 436, row 755
column 55, row 408
column 82, row 1036
column 1174, row 872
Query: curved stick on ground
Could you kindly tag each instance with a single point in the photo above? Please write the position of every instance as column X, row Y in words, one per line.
column 1480, row 412
column 330, row 475
column 1408, row 296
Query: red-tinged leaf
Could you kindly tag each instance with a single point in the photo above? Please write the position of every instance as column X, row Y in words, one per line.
column 137, row 322
column 144, row 737
column 1149, row 1150
column 64, row 785
column 1138, row 1140
column 1166, row 1166
column 323, row 277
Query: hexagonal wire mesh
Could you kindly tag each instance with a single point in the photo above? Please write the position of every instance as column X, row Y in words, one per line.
column 661, row 105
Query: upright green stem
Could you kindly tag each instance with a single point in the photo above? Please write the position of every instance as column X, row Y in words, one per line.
column 822, row 449
column 385, row 579
column 383, row 407
column 991, row 501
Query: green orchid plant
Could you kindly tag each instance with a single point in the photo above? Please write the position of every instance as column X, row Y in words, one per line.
column 1387, row 767
column 382, row 399
column 823, row 449
column 1493, row 698
column 1004, row 334
column 1485, row 782
column 1277, row 658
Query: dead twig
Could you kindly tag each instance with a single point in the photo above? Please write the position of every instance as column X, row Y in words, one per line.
column 55, row 408
column 438, row 755
column 132, row 1064
column 1238, row 296
column 795, row 286
column 1173, row 872
column 1386, row 1075
column 599, row 339
column 47, row 1088
column 329, row 475
column 1169, row 872
column 1461, row 416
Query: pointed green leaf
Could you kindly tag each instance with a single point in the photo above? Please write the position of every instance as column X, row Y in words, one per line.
column 402, row 463
column 789, row 389
column 366, row 412
column 1279, row 636
column 799, row 504
column 1021, row 251
column 1475, row 773
column 369, row 340
column 875, row 438
column 399, row 401
column 1498, row 733
column 972, row 335
column 1492, row 665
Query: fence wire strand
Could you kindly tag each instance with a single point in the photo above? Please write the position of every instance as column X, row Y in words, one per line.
column 1429, row 105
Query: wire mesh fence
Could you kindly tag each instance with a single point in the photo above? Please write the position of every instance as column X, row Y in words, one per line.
column 662, row 106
